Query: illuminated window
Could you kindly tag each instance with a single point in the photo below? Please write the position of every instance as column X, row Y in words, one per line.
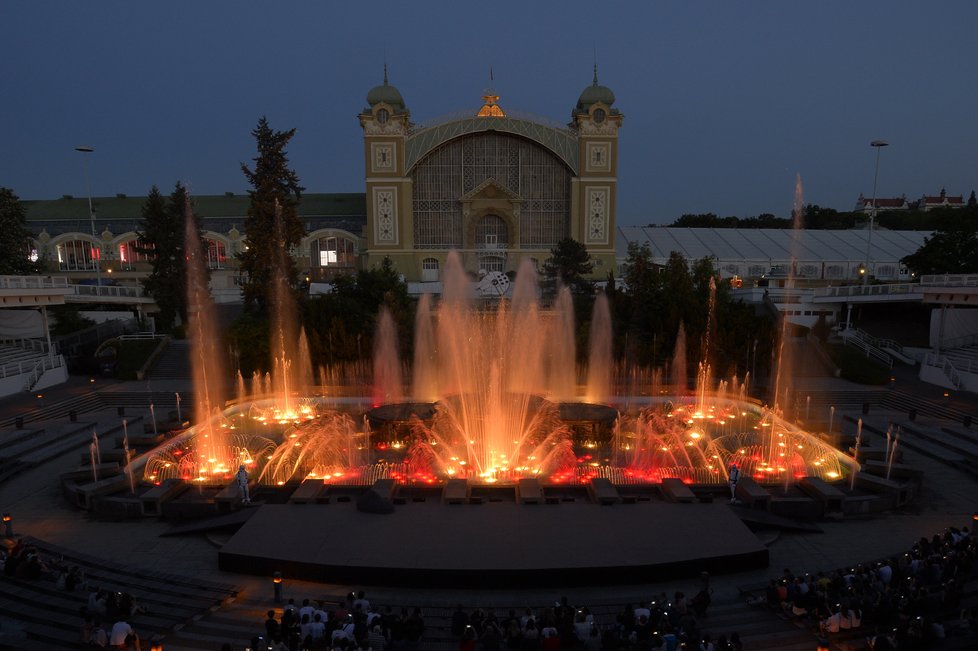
column 332, row 252
column 129, row 255
column 77, row 255
column 216, row 254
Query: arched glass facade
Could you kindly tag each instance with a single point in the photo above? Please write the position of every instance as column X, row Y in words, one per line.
column 532, row 173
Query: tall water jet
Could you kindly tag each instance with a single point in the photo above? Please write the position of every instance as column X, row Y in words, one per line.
column 425, row 371
column 600, row 358
column 388, row 383
column 784, row 361
column 290, row 371
column 678, row 368
column 562, row 370
column 206, row 357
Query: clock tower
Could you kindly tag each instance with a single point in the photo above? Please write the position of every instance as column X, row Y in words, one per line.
column 386, row 122
column 594, row 189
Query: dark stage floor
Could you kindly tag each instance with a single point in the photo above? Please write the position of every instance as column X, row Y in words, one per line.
column 495, row 544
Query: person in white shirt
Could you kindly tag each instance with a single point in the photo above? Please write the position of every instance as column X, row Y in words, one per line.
column 121, row 631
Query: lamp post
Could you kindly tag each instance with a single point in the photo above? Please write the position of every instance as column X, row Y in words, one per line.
column 878, row 144
column 97, row 252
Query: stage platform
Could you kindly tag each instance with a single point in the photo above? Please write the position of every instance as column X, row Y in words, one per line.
column 493, row 544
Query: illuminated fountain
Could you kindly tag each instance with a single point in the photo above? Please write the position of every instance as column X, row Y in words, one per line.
column 496, row 395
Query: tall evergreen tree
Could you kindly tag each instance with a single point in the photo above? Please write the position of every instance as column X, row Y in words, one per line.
column 569, row 264
column 273, row 229
column 163, row 239
column 15, row 239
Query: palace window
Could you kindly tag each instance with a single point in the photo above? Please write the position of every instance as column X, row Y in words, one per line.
column 429, row 270
column 526, row 169
column 77, row 255
column 216, row 254
column 129, row 255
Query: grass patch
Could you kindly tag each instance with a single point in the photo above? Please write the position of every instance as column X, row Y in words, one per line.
column 856, row 367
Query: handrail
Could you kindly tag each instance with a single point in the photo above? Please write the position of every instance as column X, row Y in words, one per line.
column 140, row 335
column 116, row 291
column 878, row 342
column 950, row 280
column 38, row 345
column 32, row 282
column 870, row 350
column 940, row 361
column 45, row 364
column 866, row 290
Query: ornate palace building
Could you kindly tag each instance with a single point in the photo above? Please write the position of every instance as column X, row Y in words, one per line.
column 493, row 184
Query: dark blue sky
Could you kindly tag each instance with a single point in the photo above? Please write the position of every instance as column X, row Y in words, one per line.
column 724, row 102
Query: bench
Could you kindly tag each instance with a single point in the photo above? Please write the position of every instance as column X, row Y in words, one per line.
column 830, row 496
column 152, row 500
column 752, row 493
column 86, row 493
column 602, row 491
column 307, row 492
column 674, row 490
column 456, row 491
column 529, row 491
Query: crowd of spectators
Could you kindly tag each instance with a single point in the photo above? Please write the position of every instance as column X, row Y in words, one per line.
column 662, row 624
column 906, row 602
column 105, row 615
column 344, row 626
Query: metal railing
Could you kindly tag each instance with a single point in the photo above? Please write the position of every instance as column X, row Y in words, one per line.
column 878, row 342
column 36, row 345
column 97, row 334
column 950, row 280
column 943, row 363
column 871, row 351
column 848, row 291
column 32, row 282
column 109, row 291
column 42, row 366
column 13, row 369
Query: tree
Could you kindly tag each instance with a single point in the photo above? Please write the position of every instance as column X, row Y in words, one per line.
column 272, row 228
column 945, row 252
column 15, row 238
column 569, row 264
column 163, row 239
column 953, row 249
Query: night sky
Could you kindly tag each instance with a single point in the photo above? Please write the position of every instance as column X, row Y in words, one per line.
column 724, row 102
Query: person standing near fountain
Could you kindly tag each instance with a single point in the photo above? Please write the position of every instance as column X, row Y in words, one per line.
column 242, row 478
column 732, row 478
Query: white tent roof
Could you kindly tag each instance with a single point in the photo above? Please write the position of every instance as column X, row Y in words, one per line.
column 769, row 245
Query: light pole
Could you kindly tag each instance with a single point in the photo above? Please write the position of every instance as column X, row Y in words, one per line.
column 97, row 251
column 878, row 144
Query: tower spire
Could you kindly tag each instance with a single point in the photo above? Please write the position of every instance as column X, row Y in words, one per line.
column 595, row 66
column 385, row 71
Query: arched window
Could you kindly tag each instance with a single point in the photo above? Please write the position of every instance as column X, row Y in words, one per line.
column 429, row 270
column 129, row 255
column 216, row 254
column 332, row 251
column 77, row 255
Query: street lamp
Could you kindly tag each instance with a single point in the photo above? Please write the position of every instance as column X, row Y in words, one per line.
column 878, row 144
column 97, row 252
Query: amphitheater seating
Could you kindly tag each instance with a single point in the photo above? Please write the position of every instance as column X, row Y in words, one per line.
column 51, row 617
